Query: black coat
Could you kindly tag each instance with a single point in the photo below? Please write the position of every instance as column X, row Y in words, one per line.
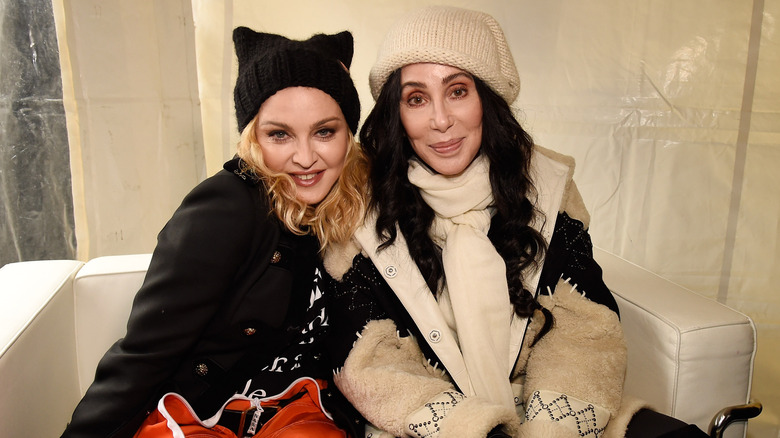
column 225, row 280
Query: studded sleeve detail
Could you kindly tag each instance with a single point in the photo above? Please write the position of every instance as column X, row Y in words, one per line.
column 570, row 257
column 583, row 418
column 424, row 422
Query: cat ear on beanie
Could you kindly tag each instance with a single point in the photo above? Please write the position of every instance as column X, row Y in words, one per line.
column 247, row 40
column 340, row 46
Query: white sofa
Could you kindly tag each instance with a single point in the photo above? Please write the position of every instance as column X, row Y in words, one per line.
column 689, row 356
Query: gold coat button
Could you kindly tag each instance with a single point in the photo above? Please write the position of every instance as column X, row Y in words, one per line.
column 249, row 331
column 276, row 257
column 201, row 369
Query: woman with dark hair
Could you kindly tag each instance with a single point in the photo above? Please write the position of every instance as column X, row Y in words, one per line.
column 475, row 257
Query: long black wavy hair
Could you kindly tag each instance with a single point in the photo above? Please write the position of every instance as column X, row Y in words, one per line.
column 508, row 148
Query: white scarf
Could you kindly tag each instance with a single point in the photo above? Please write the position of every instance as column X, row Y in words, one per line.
column 476, row 286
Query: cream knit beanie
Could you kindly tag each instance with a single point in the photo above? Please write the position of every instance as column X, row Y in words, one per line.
column 469, row 40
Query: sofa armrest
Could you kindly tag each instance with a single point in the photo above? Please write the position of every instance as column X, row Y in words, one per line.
column 688, row 356
column 104, row 290
column 37, row 354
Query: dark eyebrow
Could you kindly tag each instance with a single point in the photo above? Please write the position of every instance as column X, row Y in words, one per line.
column 413, row 84
column 325, row 121
column 277, row 124
column 287, row 127
column 444, row 81
column 454, row 76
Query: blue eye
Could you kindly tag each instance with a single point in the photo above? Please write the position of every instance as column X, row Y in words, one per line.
column 277, row 135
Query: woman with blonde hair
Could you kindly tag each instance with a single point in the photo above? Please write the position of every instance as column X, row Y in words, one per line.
column 231, row 304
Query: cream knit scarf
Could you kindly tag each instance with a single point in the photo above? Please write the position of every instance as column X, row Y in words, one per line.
column 475, row 273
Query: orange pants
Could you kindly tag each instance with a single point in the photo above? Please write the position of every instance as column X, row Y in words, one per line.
column 303, row 417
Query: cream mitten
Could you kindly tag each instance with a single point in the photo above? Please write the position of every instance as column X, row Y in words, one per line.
column 386, row 377
column 451, row 414
column 575, row 372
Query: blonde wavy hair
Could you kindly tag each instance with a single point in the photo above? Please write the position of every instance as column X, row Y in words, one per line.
column 336, row 217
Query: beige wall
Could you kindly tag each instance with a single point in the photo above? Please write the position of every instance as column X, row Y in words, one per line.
column 672, row 110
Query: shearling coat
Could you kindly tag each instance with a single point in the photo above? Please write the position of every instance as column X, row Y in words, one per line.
column 226, row 280
column 395, row 380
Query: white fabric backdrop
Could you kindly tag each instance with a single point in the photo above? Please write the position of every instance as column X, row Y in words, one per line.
column 671, row 108
column 131, row 99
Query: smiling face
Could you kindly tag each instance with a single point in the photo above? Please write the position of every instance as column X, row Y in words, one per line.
column 302, row 132
column 442, row 115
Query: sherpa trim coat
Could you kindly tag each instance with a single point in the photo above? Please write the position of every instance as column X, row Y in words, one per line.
column 395, row 381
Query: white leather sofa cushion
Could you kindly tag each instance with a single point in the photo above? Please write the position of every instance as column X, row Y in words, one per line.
column 103, row 293
column 688, row 356
column 37, row 360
